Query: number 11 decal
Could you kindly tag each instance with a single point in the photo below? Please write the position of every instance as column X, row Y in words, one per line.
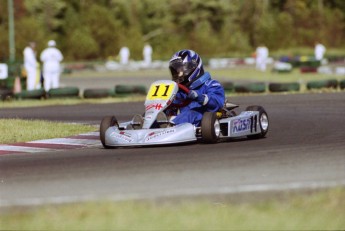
column 165, row 92
column 161, row 91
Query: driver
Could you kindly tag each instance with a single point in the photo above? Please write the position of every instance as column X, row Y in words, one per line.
column 205, row 93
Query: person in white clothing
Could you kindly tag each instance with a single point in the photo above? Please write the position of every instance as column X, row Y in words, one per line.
column 319, row 51
column 124, row 55
column 147, row 53
column 261, row 57
column 51, row 58
column 30, row 65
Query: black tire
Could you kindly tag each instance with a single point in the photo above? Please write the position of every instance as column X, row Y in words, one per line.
column 251, row 88
column 228, row 86
column 98, row 93
column 139, row 89
column 5, row 94
column 283, row 87
column 281, row 71
column 106, row 123
column 123, row 89
column 210, row 128
column 262, row 120
column 63, row 92
column 130, row 89
column 33, row 94
column 342, row 84
column 330, row 83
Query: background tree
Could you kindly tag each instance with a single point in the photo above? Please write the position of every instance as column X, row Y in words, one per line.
column 48, row 14
column 97, row 29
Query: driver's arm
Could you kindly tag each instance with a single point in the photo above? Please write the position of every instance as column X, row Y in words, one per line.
column 216, row 97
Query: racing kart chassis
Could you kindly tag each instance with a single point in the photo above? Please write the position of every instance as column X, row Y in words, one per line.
column 153, row 130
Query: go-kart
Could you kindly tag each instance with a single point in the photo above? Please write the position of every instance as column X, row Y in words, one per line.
column 155, row 128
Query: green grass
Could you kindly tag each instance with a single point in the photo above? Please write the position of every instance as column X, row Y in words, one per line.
column 241, row 74
column 235, row 75
column 313, row 211
column 252, row 75
column 119, row 73
column 66, row 101
column 18, row 130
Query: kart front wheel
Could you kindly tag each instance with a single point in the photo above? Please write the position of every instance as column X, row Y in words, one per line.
column 263, row 122
column 106, row 123
column 210, row 127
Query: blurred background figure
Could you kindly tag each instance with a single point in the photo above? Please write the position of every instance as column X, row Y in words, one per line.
column 147, row 53
column 124, row 55
column 51, row 58
column 30, row 65
column 319, row 51
column 261, row 57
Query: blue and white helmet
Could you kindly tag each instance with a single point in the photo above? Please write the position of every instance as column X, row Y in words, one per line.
column 185, row 67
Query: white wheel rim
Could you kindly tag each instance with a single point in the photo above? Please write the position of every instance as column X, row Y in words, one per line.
column 264, row 122
column 217, row 128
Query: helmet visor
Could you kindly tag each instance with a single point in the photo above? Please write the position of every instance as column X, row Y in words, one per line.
column 180, row 71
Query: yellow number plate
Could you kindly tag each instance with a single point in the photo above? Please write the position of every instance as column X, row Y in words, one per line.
column 160, row 92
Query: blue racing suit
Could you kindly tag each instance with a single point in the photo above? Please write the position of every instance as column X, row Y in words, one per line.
column 213, row 96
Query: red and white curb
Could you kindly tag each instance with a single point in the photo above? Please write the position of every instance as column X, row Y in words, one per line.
column 73, row 142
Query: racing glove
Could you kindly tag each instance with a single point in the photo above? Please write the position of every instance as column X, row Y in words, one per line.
column 202, row 99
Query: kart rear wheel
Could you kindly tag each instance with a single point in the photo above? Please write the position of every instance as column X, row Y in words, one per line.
column 210, row 127
column 263, row 122
column 106, row 123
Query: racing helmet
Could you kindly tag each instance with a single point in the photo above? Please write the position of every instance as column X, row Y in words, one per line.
column 185, row 67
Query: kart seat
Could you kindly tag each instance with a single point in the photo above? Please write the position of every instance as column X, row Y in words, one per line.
column 137, row 121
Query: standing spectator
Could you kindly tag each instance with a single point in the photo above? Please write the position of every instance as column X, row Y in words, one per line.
column 319, row 51
column 30, row 65
column 261, row 57
column 124, row 55
column 147, row 53
column 51, row 58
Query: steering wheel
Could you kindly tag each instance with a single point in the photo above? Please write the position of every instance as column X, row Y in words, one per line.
column 183, row 88
column 185, row 102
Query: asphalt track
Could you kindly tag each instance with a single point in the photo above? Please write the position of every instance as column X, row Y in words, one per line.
column 304, row 148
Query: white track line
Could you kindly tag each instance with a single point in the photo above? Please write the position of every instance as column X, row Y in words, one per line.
column 90, row 134
column 70, row 141
column 23, row 149
column 67, row 141
column 174, row 193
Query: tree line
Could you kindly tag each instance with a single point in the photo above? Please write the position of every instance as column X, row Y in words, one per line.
column 97, row 29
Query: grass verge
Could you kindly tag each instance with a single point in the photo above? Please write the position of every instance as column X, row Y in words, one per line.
column 67, row 101
column 238, row 74
column 321, row 210
column 18, row 130
column 235, row 75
